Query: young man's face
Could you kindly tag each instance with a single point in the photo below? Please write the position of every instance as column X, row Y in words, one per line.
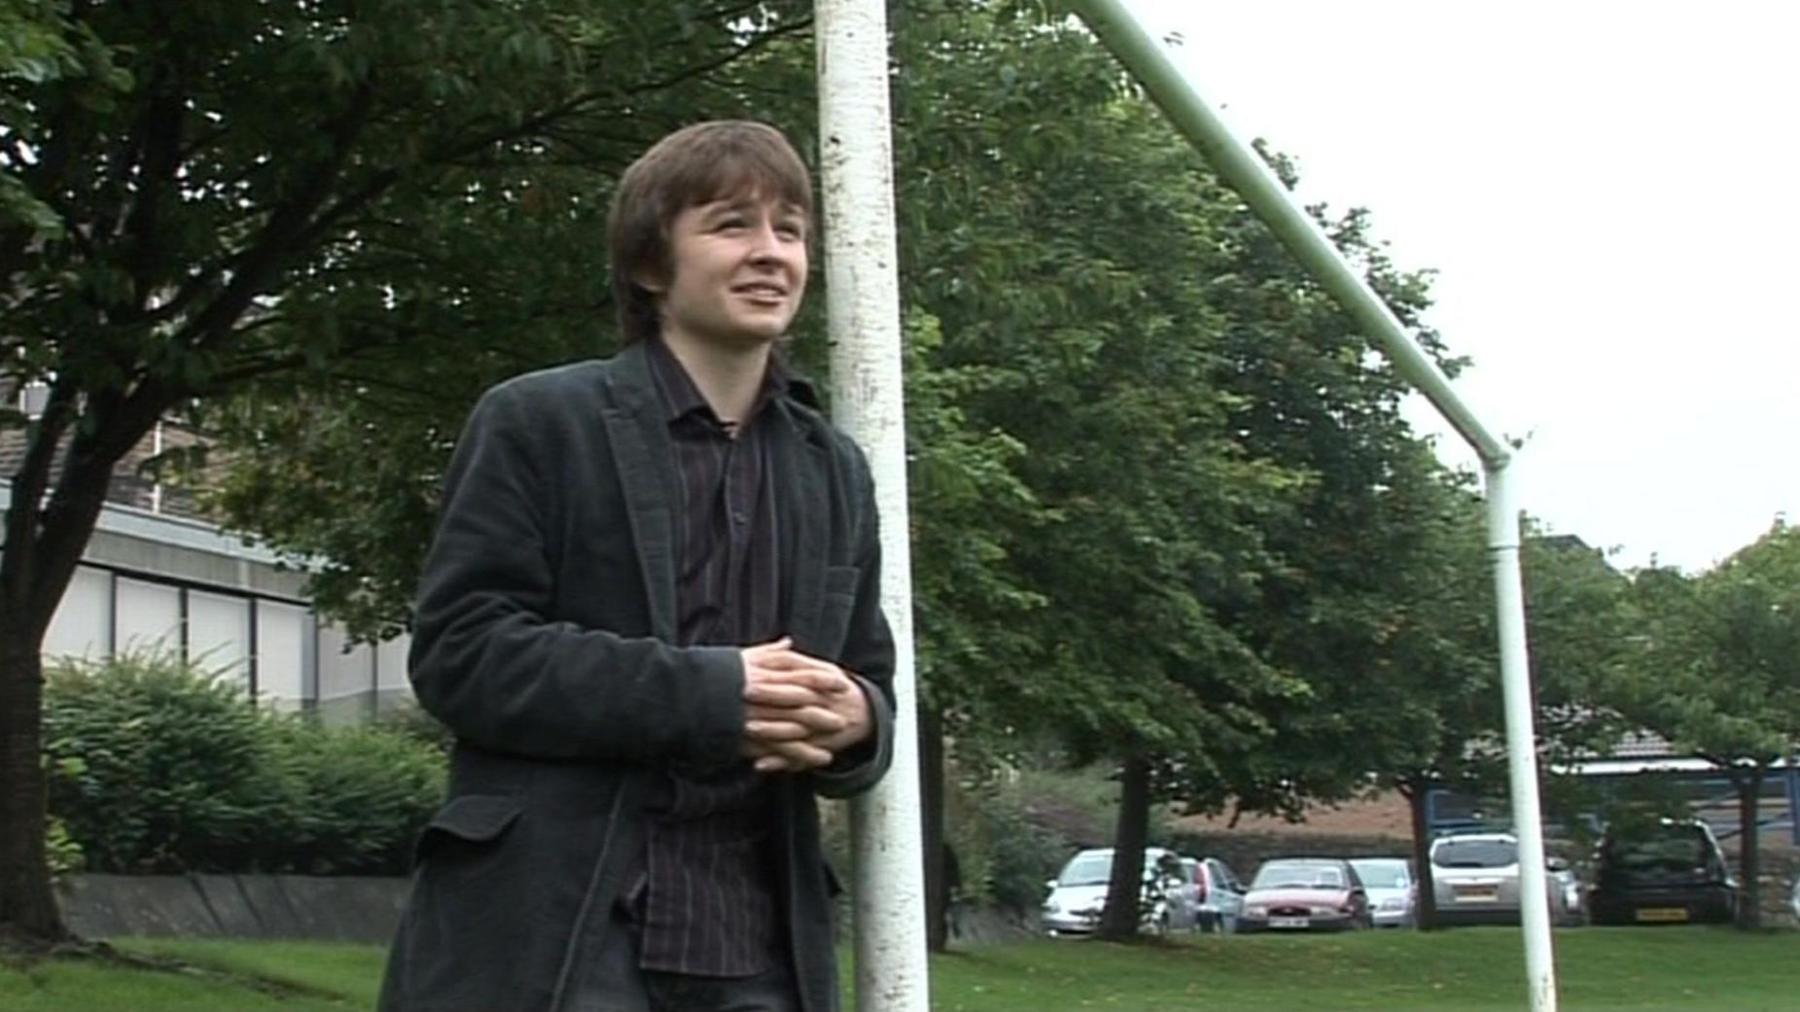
column 739, row 267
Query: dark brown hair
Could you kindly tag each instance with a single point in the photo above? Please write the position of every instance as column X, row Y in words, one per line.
column 694, row 165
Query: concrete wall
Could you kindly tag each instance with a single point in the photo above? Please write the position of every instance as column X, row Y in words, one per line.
column 341, row 909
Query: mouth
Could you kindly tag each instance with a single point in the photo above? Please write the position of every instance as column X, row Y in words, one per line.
column 761, row 290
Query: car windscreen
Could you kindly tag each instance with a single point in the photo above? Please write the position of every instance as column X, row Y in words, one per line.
column 1475, row 854
column 1298, row 875
column 1086, row 869
column 1670, row 850
column 1382, row 874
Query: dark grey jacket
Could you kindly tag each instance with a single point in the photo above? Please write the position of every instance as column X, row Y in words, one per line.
column 543, row 638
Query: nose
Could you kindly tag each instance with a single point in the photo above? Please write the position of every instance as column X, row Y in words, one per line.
column 766, row 241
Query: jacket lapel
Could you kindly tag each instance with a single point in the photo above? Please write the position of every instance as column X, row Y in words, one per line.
column 643, row 453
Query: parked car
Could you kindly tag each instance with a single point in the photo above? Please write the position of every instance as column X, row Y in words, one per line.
column 1475, row 880
column 1305, row 894
column 1668, row 872
column 1393, row 894
column 1078, row 894
column 1218, row 894
column 1574, row 892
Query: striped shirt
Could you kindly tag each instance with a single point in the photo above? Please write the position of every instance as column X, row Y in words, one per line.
column 706, row 901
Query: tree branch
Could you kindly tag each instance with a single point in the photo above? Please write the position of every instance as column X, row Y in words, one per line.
column 28, row 484
column 289, row 223
column 68, row 518
column 159, row 162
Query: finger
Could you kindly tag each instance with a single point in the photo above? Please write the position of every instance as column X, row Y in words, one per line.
column 801, row 753
column 808, row 721
column 828, row 680
column 791, row 756
column 775, row 731
column 780, row 696
column 783, row 713
column 785, row 643
column 788, row 659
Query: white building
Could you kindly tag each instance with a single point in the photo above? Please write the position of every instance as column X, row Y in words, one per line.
column 156, row 577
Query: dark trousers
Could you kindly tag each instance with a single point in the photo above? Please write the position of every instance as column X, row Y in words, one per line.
column 618, row 984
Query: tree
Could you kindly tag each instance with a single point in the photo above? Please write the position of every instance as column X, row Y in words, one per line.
column 1059, row 257
column 200, row 197
column 1716, row 672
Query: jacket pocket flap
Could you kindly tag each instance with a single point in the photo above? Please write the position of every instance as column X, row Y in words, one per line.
column 476, row 818
column 841, row 580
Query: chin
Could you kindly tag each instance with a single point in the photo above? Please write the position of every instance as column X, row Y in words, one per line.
column 750, row 333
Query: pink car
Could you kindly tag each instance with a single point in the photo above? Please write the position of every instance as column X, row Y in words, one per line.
column 1306, row 894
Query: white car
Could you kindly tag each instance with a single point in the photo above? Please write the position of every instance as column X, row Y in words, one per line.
column 1078, row 894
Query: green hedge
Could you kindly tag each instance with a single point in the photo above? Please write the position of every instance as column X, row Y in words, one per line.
column 158, row 767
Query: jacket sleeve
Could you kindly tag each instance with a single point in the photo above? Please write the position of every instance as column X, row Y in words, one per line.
column 490, row 663
column 869, row 655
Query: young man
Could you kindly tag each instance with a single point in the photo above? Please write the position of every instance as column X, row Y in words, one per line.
column 650, row 615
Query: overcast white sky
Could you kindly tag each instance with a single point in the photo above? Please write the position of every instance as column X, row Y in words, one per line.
column 1610, row 193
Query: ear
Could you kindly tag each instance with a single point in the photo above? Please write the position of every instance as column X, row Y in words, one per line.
column 649, row 281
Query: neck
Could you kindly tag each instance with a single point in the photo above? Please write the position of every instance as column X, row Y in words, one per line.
column 728, row 376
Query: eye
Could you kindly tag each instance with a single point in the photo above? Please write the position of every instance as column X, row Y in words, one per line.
column 791, row 229
column 729, row 222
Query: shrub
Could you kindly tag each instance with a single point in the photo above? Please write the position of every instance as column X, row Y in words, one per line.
column 410, row 720
column 155, row 766
column 64, row 853
column 364, row 795
column 1018, row 856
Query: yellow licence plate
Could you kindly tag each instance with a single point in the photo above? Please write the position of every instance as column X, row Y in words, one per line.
column 1477, row 895
column 1662, row 915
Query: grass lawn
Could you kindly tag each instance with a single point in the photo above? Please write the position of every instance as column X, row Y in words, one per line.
column 1599, row 969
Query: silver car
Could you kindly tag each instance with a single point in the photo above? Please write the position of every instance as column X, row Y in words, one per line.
column 1078, row 894
column 1393, row 895
column 1218, row 894
column 1475, row 880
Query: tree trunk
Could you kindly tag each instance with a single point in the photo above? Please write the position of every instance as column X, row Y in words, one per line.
column 1425, row 912
column 1749, row 911
column 931, row 800
column 42, row 548
column 1120, row 920
column 28, row 909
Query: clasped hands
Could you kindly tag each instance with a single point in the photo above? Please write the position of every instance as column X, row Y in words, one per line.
column 799, row 711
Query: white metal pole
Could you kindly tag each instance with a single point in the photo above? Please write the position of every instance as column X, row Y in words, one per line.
column 1148, row 60
column 1521, row 740
column 863, row 302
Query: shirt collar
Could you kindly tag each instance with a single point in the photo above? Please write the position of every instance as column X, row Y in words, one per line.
column 680, row 397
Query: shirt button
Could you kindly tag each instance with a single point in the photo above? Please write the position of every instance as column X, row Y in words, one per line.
column 739, row 519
